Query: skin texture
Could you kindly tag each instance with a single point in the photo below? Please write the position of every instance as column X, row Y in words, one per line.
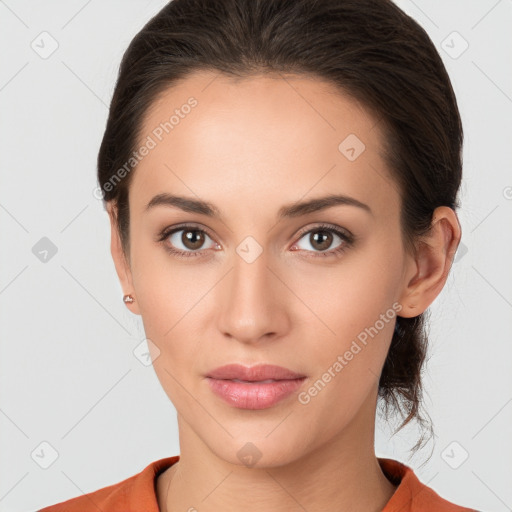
column 249, row 147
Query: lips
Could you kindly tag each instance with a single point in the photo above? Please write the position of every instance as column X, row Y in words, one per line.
column 258, row 373
column 256, row 387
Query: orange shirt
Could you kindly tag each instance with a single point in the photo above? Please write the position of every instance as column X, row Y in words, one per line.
column 137, row 493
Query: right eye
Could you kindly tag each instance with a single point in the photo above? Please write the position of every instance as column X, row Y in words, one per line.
column 185, row 241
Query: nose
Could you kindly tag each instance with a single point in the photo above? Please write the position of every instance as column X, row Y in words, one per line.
column 253, row 305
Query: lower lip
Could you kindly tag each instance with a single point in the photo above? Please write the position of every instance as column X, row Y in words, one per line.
column 254, row 395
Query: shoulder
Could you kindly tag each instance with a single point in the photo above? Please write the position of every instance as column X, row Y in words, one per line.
column 411, row 494
column 129, row 495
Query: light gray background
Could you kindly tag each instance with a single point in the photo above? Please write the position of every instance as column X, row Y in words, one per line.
column 68, row 373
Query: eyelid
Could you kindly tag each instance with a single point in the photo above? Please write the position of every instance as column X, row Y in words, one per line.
column 166, row 232
column 325, row 225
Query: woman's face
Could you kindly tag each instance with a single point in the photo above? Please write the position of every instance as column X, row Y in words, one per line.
column 260, row 281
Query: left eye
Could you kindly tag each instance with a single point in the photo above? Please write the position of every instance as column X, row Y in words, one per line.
column 322, row 238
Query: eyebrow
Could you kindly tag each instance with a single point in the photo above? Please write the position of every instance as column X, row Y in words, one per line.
column 191, row 205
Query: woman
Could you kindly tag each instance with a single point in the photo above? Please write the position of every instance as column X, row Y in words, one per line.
column 281, row 180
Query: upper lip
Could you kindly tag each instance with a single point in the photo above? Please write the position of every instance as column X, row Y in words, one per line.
column 253, row 373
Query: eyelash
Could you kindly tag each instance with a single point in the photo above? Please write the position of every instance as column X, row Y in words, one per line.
column 345, row 236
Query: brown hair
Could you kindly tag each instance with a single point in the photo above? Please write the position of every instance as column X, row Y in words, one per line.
column 371, row 50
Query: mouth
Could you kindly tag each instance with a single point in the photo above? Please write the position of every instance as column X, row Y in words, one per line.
column 254, row 387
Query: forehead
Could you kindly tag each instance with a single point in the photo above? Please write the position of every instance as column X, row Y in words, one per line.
column 279, row 136
column 300, row 104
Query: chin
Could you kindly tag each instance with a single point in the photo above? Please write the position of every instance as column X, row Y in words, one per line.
column 258, row 451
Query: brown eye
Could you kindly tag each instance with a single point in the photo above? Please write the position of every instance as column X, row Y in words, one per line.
column 186, row 241
column 321, row 238
column 192, row 239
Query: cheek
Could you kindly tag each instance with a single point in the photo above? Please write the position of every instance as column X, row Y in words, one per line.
column 171, row 310
column 165, row 291
column 170, row 307
column 353, row 325
column 350, row 296
column 355, row 308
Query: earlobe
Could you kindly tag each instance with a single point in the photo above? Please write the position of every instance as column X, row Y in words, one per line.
column 433, row 260
column 121, row 264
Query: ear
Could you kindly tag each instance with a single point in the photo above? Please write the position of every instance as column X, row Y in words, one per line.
column 430, row 267
column 120, row 261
